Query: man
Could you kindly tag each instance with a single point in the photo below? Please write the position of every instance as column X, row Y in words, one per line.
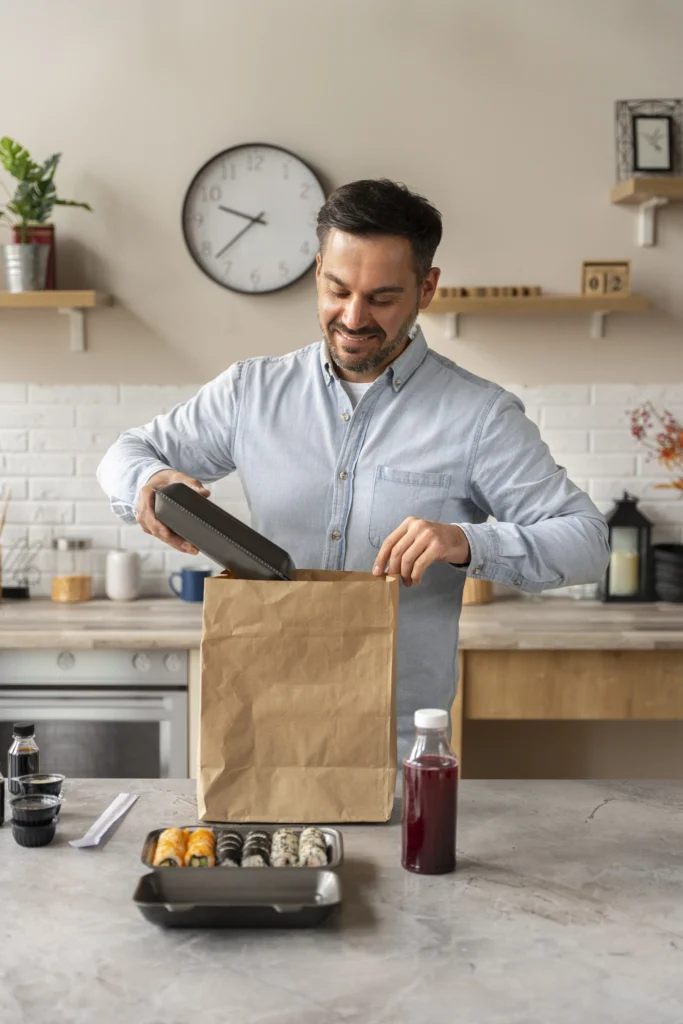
column 370, row 451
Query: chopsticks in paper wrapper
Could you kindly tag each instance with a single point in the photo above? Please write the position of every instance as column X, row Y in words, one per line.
column 117, row 808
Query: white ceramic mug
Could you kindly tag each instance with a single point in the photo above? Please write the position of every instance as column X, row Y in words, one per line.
column 122, row 576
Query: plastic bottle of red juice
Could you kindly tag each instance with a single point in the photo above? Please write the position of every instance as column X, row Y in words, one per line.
column 430, row 797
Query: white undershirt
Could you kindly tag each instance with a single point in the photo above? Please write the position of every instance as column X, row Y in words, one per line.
column 355, row 391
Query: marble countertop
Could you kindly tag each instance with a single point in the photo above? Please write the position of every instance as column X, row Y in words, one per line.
column 507, row 624
column 565, row 906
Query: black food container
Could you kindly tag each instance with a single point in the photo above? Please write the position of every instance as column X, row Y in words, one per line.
column 43, row 784
column 34, row 809
column 34, row 835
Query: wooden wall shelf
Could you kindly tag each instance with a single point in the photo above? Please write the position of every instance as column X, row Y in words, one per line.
column 648, row 194
column 598, row 306
column 73, row 303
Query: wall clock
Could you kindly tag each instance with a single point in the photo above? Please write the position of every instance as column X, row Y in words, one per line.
column 249, row 218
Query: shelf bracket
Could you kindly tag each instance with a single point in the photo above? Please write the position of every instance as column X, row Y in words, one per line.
column 598, row 325
column 76, row 328
column 452, row 326
column 646, row 224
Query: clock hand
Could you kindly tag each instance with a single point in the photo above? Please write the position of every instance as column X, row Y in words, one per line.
column 253, row 220
column 257, row 220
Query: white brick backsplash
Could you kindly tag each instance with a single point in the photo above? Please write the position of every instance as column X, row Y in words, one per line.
column 551, row 394
column 652, row 468
column 37, row 465
column 17, row 485
column 561, row 441
column 13, row 440
column 72, row 440
column 585, row 416
column 52, row 439
column 95, row 512
column 86, row 465
column 613, row 441
column 105, row 537
column 40, row 512
column 631, row 395
column 122, row 417
column 73, row 394
column 599, row 465
column 61, row 488
column 36, row 416
column 158, row 395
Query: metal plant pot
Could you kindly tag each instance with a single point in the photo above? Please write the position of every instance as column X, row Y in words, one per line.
column 25, row 267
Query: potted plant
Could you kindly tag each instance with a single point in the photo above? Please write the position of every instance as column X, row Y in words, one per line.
column 25, row 261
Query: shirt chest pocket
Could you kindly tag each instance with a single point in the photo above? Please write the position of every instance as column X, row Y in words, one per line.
column 397, row 494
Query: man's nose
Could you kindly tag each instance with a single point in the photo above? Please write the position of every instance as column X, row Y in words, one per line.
column 355, row 314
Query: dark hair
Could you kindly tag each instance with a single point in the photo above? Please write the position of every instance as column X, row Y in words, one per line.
column 383, row 207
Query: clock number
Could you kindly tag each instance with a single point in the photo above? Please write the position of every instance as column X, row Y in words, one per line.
column 206, row 249
column 216, row 193
column 305, row 189
column 306, row 248
column 284, row 270
column 255, row 278
column 254, row 161
column 225, row 167
column 198, row 219
column 285, row 170
column 227, row 268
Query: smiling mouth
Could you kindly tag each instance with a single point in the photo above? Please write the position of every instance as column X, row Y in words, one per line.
column 356, row 339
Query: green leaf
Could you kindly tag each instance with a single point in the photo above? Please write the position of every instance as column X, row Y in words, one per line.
column 50, row 166
column 70, row 202
column 16, row 159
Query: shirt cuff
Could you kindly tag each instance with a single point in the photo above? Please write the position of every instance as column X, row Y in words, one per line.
column 481, row 540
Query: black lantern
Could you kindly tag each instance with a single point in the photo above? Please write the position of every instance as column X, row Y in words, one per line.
column 629, row 574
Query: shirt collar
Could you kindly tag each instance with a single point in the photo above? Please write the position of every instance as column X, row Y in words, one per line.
column 400, row 370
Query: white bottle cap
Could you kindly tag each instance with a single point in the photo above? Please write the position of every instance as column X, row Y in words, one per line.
column 431, row 718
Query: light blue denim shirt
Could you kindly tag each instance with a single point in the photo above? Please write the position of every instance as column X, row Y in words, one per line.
column 329, row 482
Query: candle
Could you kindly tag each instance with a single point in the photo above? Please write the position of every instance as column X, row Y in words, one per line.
column 624, row 571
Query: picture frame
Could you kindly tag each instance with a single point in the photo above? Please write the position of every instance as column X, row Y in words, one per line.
column 625, row 111
column 653, row 143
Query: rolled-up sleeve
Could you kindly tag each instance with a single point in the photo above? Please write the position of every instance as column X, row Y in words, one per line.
column 196, row 438
column 548, row 533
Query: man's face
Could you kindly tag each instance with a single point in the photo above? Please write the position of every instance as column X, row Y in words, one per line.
column 368, row 300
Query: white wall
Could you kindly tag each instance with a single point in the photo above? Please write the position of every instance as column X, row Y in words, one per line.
column 501, row 111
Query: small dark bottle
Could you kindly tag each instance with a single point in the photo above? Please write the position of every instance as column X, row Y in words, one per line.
column 23, row 757
column 430, row 797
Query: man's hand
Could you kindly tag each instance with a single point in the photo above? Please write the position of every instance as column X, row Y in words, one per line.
column 144, row 512
column 415, row 544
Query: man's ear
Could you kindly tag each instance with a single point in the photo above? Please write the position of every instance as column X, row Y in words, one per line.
column 429, row 287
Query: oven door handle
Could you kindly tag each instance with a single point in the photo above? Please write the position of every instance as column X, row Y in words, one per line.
column 91, row 706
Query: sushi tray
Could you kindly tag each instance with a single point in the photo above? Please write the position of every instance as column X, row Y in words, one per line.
column 263, row 890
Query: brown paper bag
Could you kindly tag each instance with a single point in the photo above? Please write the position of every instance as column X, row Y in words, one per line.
column 298, row 693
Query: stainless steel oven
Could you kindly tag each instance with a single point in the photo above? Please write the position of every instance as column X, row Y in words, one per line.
column 99, row 713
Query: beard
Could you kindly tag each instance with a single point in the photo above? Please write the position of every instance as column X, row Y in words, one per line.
column 344, row 358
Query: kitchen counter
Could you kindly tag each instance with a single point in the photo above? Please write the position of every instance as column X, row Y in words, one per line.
column 506, row 624
column 565, row 906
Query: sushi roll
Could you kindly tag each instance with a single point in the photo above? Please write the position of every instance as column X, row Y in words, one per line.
column 256, row 853
column 201, row 849
column 312, row 848
column 285, row 849
column 171, row 848
column 229, row 849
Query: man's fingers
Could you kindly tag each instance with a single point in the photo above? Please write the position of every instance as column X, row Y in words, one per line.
column 387, row 548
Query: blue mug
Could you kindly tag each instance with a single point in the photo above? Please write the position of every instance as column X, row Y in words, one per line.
column 191, row 583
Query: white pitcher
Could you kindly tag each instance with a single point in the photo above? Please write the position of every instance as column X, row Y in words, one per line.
column 122, row 576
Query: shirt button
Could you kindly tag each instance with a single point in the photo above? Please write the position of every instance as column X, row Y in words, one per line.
column 476, row 572
column 517, row 583
column 336, row 535
column 398, row 383
column 343, row 475
column 345, row 416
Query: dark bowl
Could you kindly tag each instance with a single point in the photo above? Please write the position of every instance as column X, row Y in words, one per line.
column 34, row 835
column 38, row 809
column 40, row 784
column 670, row 554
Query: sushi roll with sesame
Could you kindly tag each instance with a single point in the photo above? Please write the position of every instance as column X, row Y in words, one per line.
column 312, row 848
column 256, row 853
column 201, row 849
column 229, row 849
column 285, row 849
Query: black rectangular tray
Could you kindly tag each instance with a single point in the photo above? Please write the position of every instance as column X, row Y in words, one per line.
column 245, row 898
column 220, row 536
column 335, row 846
